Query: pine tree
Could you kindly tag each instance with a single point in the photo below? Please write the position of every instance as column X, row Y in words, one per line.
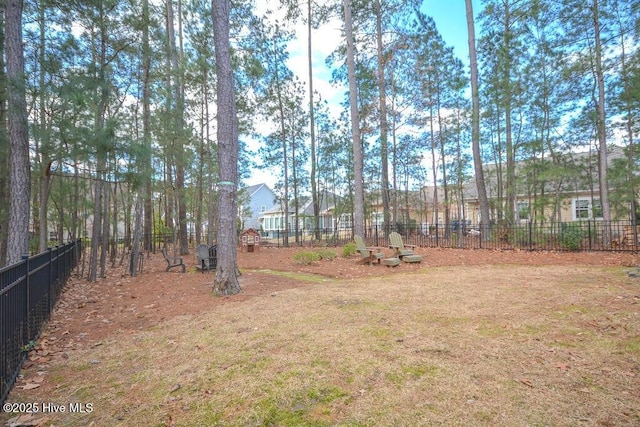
column 226, row 281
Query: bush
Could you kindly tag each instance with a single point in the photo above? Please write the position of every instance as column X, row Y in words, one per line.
column 306, row 257
column 348, row 250
column 326, row 254
column 571, row 237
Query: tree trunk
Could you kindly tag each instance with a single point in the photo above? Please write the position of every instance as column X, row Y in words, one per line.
column 178, row 112
column 45, row 165
column 4, row 148
column 99, row 240
column 312, row 128
column 475, row 133
column 137, row 231
column 358, row 157
column 45, row 186
column 285, row 160
column 627, row 101
column 105, row 229
column 384, row 128
column 226, row 281
column 19, row 170
column 146, row 127
column 602, row 131
column 510, row 190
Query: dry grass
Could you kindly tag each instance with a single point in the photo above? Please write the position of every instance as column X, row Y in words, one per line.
column 480, row 345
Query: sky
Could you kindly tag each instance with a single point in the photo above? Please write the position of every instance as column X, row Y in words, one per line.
column 450, row 19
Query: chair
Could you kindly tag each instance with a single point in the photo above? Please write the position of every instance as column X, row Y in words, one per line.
column 173, row 261
column 369, row 254
column 207, row 257
column 402, row 251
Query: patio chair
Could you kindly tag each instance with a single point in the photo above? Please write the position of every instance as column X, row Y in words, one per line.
column 369, row 253
column 402, row 251
column 173, row 261
column 207, row 257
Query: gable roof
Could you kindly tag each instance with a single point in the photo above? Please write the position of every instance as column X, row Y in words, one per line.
column 327, row 202
column 253, row 189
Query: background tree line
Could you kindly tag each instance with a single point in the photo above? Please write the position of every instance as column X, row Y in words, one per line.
column 118, row 136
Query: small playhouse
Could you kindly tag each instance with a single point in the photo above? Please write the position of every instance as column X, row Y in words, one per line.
column 250, row 240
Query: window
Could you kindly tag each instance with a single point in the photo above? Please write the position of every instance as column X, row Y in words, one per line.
column 377, row 218
column 263, row 209
column 345, row 222
column 582, row 209
column 597, row 209
column 523, row 210
column 587, row 209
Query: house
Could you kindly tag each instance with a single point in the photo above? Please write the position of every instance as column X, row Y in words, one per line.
column 406, row 207
column 272, row 221
column 570, row 191
column 255, row 201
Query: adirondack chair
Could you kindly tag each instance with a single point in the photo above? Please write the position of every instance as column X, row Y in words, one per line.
column 369, row 253
column 207, row 257
column 402, row 251
column 173, row 261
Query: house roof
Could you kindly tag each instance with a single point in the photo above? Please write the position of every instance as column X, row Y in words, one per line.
column 252, row 189
column 327, row 202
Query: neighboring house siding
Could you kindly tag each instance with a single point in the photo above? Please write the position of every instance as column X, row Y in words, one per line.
column 260, row 199
column 575, row 200
column 273, row 220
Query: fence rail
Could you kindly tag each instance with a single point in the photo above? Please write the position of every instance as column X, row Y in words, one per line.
column 28, row 293
column 617, row 236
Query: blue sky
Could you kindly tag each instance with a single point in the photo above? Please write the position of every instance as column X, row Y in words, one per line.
column 450, row 17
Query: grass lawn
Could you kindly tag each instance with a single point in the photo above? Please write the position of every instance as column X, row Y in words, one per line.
column 446, row 346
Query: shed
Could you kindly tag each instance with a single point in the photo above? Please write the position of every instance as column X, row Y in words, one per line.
column 250, row 240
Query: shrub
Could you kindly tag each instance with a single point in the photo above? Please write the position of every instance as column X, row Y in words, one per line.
column 306, row 257
column 348, row 250
column 571, row 237
column 326, row 254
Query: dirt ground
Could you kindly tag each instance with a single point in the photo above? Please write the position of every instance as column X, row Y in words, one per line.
column 89, row 313
column 119, row 302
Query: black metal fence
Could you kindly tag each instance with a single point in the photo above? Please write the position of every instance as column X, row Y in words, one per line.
column 588, row 235
column 28, row 292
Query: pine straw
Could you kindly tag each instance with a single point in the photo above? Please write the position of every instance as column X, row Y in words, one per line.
column 481, row 345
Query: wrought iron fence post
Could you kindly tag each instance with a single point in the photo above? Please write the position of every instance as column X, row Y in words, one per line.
column 530, row 235
column 51, row 287
column 27, row 295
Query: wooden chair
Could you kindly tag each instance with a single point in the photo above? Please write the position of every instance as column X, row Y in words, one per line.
column 369, row 253
column 173, row 261
column 402, row 251
column 207, row 257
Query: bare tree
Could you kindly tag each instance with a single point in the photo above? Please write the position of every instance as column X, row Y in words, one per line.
column 226, row 281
